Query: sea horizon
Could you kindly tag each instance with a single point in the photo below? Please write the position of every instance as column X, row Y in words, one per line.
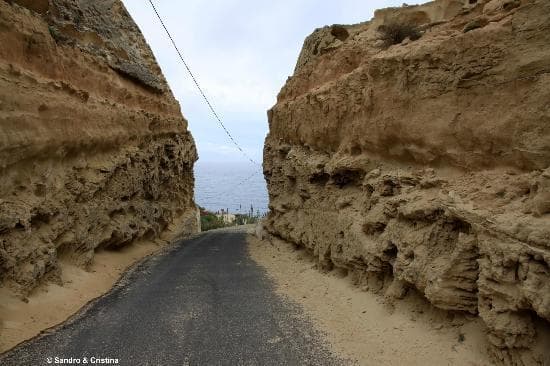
column 230, row 185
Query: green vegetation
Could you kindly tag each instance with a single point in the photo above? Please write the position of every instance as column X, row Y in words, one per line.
column 211, row 220
column 395, row 33
column 54, row 32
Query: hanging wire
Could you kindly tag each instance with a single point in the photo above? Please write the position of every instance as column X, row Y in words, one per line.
column 214, row 113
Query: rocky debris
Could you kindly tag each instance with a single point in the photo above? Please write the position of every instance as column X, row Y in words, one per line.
column 424, row 164
column 94, row 151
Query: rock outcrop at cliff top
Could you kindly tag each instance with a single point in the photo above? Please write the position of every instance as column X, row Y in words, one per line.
column 414, row 151
column 94, row 151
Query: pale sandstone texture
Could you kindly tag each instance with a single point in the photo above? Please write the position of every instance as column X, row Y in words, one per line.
column 424, row 164
column 94, row 151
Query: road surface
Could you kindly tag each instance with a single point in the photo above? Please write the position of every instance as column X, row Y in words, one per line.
column 204, row 302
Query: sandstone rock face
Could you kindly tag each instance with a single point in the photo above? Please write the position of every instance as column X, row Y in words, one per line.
column 425, row 164
column 94, row 151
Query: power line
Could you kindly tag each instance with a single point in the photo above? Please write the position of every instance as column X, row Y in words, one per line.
column 236, row 186
column 242, row 182
column 216, row 116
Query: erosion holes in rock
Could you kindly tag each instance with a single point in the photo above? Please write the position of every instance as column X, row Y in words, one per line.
column 115, row 242
column 389, row 187
column 390, row 252
column 325, row 261
column 369, row 189
column 149, row 234
column 347, row 177
column 355, row 150
column 339, row 32
column 542, row 328
column 65, row 251
column 283, row 151
column 39, row 218
column 507, row 7
column 40, row 190
column 39, row 6
column 341, row 272
column 119, row 212
column 291, row 181
column 319, row 179
column 297, row 247
column 409, row 255
column 460, row 225
column 148, row 194
column 374, row 228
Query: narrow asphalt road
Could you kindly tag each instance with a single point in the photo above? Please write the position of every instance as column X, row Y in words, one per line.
column 204, row 302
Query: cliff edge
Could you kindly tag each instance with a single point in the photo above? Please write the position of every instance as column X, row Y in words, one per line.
column 94, row 151
column 413, row 151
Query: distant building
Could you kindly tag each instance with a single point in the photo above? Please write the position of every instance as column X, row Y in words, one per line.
column 228, row 218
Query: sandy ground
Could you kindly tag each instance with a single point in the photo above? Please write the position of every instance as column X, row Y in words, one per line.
column 365, row 327
column 51, row 304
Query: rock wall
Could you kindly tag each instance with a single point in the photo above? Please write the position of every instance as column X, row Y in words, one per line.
column 94, row 151
column 423, row 163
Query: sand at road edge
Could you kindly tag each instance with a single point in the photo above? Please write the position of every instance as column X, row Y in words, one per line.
column 360, row 325
column 51, row 304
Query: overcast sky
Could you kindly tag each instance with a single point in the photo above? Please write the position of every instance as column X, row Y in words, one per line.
column 241, row 52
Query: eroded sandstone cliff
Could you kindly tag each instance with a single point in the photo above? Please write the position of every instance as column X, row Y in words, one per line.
column 423, row 162
column 94, row 151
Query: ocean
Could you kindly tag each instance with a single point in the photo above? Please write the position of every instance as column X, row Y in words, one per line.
column 229, row 185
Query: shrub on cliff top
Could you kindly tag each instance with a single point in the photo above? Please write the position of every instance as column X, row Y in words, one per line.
column 395, row 33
